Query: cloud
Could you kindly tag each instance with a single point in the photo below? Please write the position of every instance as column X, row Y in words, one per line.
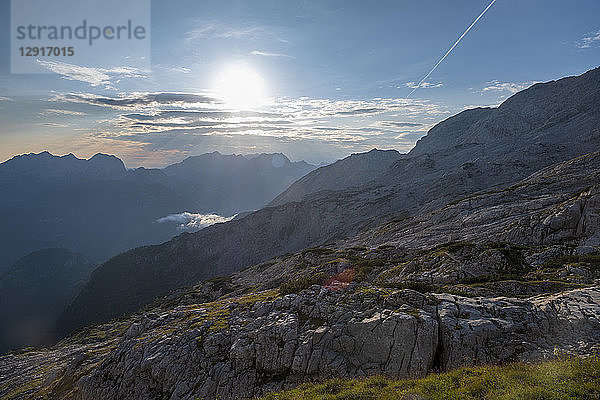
column 305, row 107
column 222, row 30
column 175, row 125
column 192, row 222
column 589, row 40
column 53, row 125
column 93, row 76
column 51, row 111
column 359, row 111
column 423, row 85
column 2, row 98
column 196, row 115
column 497, row 86
column 183, row 70
column 137, row 100
column 267, row 54
column 397, row 124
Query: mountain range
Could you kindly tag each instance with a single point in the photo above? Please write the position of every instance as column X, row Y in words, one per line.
column 475, row 150
column 99, row 208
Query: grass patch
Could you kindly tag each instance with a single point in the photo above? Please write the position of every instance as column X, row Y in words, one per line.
column 449, row 247
column 573, row 378
column 304, row 282
column 590, row 261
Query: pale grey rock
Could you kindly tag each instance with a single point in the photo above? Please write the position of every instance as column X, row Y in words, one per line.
column 314, row 335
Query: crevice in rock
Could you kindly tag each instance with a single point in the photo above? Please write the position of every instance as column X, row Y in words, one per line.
column 437, row 364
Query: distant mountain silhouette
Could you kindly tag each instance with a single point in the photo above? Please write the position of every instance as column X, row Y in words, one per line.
column 99, row 208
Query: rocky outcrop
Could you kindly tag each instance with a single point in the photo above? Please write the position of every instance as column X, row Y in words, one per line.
column 253, row 344
column 555, row 205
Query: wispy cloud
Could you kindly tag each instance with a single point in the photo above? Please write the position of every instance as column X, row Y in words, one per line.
column 51, row 111
column 267, row 54
column 53, row 125
column 423, row 85
column 93, row 76
column 192, row 222
column 2, row 98
column 139, row 99
column 180, row 124
column 589, row 40
column 398, row 124
column 512, row 87
column 222, row 30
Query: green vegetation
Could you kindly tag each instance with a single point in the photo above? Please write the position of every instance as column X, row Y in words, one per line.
column 590, row 261
column 572, row 378
column 304, row 282
column 317, row 251
column 445, row 248
column 363, row 267
column 492, row 278
column 218, row 312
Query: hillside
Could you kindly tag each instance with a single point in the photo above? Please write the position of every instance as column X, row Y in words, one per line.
column 354, row 170
column 34, row 291
column 352, row 311
column 493, row 149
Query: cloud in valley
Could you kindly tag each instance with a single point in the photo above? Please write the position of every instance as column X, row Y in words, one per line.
column 192, row 222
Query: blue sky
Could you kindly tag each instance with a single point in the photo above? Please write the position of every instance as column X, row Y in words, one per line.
column 334, row 77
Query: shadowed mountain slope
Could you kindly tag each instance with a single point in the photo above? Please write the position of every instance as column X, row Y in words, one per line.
column 472, row 151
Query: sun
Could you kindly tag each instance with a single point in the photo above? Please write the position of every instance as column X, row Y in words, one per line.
column 240, row 87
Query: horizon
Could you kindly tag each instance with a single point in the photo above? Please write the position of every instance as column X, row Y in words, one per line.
column 88, row 158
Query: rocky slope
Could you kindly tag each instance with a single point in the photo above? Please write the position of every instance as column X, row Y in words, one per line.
column 346, row 318
column 354, row 170
column 392, row 306
column 472, row 151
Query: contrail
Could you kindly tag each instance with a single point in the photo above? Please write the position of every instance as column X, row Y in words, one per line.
column 452, row 48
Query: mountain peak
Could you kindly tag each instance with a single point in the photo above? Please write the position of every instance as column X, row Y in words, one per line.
column 45, row 164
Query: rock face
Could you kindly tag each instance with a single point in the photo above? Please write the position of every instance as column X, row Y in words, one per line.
column 477, row 150
column 555, row 205
column 249, row 345
column 352, row 171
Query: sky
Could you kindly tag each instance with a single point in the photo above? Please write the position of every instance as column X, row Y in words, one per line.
column 315, row 80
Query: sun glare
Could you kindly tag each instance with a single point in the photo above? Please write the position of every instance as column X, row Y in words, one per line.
column 240, row 87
